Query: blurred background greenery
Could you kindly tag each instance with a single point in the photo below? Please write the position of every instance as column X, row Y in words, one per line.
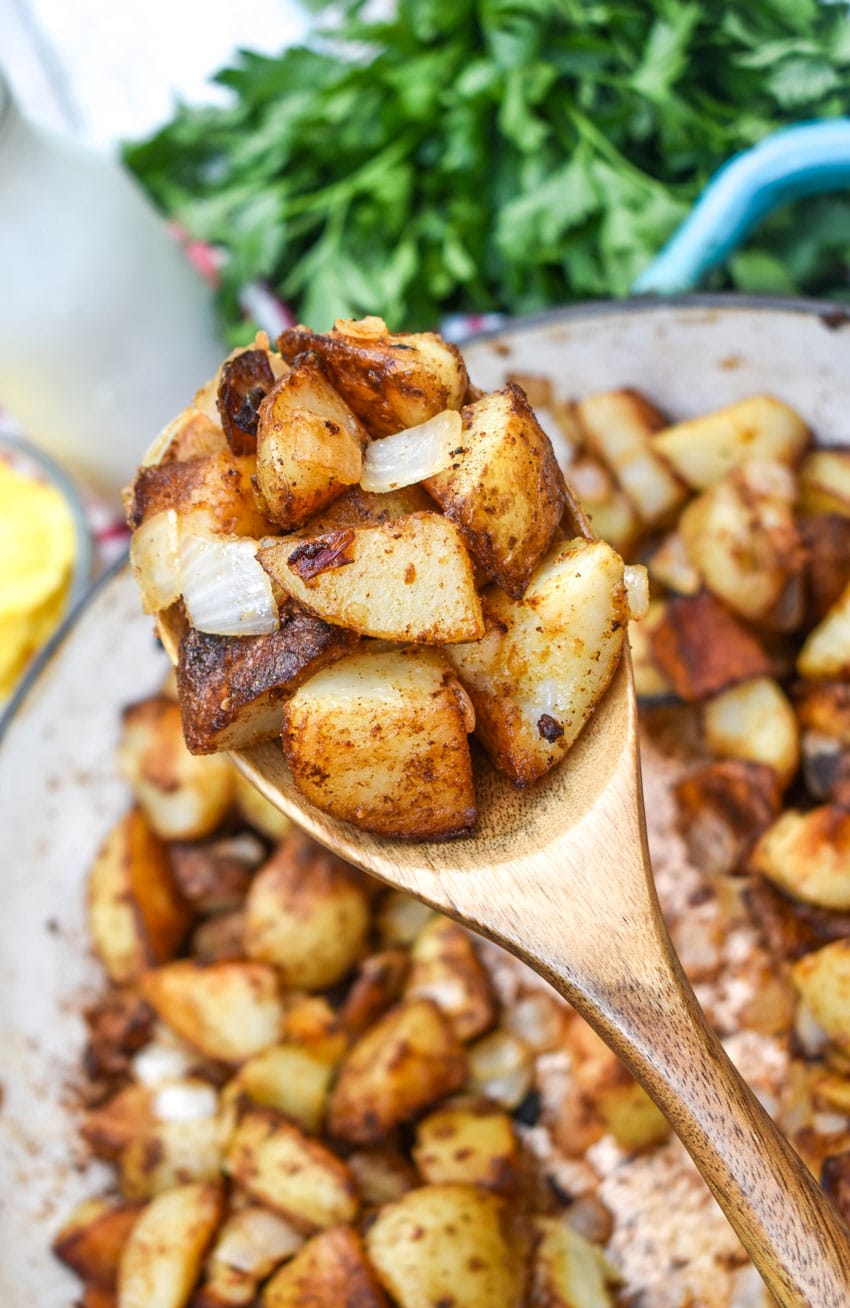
column 500, row 155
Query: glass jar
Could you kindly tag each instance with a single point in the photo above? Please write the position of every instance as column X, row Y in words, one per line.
column 105, row 328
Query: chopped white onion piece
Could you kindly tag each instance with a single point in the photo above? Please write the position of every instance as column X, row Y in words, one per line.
column 254, row 1237
column 156, row 1064
column 226, row 591
column 636, row 581
column 413, row 454
column 185, row 1101
column 155, row 557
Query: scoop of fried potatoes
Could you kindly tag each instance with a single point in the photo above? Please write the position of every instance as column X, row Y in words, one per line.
column 349, row 488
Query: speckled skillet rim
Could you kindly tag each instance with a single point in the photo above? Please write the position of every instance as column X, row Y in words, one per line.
column 834, row 316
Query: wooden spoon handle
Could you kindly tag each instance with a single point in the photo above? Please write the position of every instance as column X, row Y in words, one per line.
column 790, row 1229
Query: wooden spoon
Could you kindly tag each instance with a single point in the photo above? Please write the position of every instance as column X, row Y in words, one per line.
column 560, row 875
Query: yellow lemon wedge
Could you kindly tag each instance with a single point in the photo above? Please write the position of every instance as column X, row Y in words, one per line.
column 37, row 546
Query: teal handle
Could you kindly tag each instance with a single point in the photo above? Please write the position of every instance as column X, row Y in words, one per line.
column 803, row 160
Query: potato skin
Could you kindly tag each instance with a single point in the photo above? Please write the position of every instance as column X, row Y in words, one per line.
column 405, row 1062
column 391, row 381
column 231, row 688
column 701, row 648
column 381, row 740
column 505, row 489
column 307, row 912
column 90, row 1242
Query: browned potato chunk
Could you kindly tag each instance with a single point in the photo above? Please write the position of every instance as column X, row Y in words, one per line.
column 378, row 984
column 704, row 449
column 618, row 427
column 650, row 682
column 824, row 714
column 380, row 740
column 671, row 566
column 231, row 688
column 405, row 1062
column 740, row 536
column 162, row 1258
column 623, row 1106
column 110, row 1127
column 825, row 482
column 359, row 508
column 504, row 488
column 754, row 721
column 214, row 875
column 179, row 1147
column 192, row 435
column 308, row 913
column 446, row 968
column 473, row 1146
column 309, row 445
column 450, row 1244
column 245, row 380
column 215, row 487
column 723, row 807
column 91, row 1241
column 822, row 980
column 808, row 855
column 406, row 580
column 137, row 916
column 569, row 1271
column 826, row 650
column 312, row 1023
column 545, row 661
column 290, row 1172
column 826, row 548
column 382, row 1173
column 228, row 1010
column 250, row 1244
column 183, row 797
column 391, row 381
column 288, row 1078
column 700, row 648
column 332, row 1268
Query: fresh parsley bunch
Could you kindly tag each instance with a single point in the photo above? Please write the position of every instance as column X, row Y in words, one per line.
column 473, row 155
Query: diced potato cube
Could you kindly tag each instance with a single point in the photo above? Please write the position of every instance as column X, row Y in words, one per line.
column 825, row 539
column 826, row 649
column 704, row 449
column 808, row 855
column 403, row 1064
column 446, row 968
column 504, row 488
column 452, row 1244
column 619, row 426
column 406, row 580
column 700, row 648
column 192, row 434
column 163, row 1255
column 137, row 916
column 359, row 508
column 289, row 1079
column 378, row 984
column 381, row 740
column 308, row 913
column 546, row 660
column 723, row 806
column 182, row 1148
column 611, row 513
column 332, row 1268
column 290, row 1172
column 218, row 938
column 754, row 721
column 650, row 682
column 250, row 1244
column 244, row 381
column 216, row 487
column 822, row 980
column 824, row 714
column 741, row 538
column 671, row 565
column 228, row 1010
column 473, row 1146
column 392, row 381
column 214, row 875
column 309, row 445
column 111, row 1126
column 569, row 1271
column 183, row 797
column 91, row 1241
column 312, row 1023
column 623, row 1106
column 825, row 482
column 400, row 917
column 231, row 688
column 259, row 812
